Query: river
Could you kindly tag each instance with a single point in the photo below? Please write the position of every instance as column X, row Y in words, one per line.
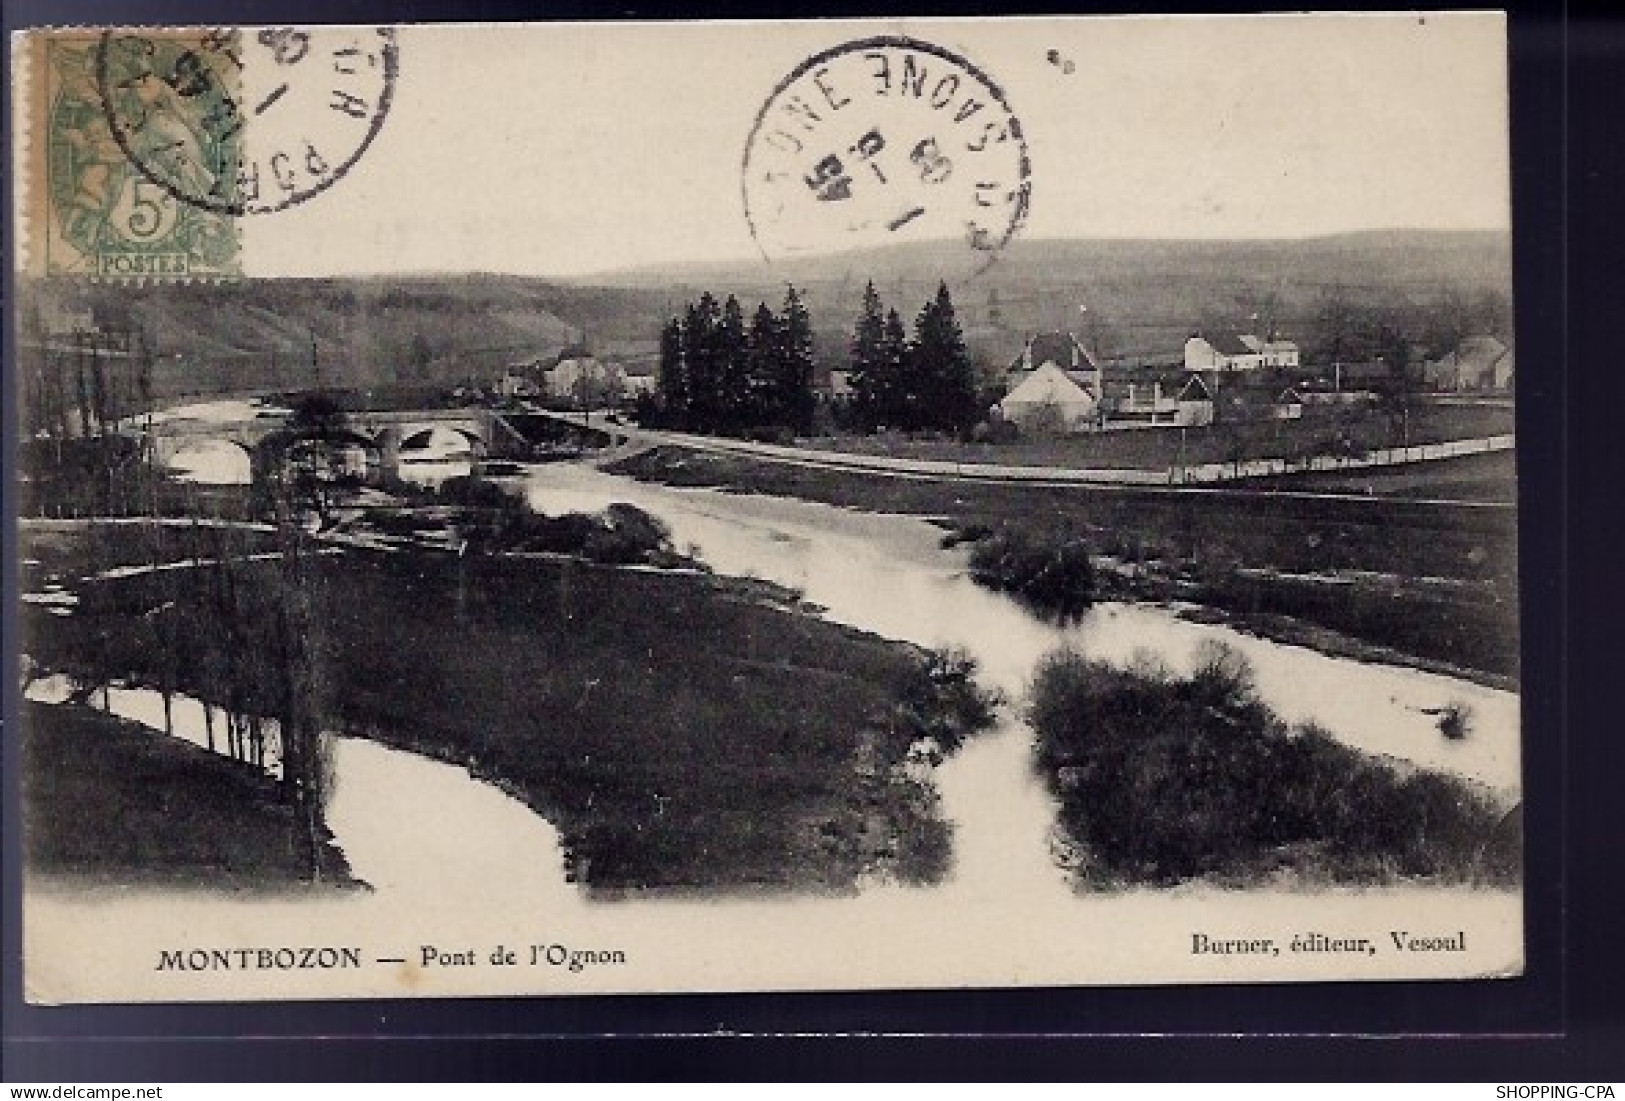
column 451, row 859
column 889, row 575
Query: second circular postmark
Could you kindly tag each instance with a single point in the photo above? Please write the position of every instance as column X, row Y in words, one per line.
column 883, row 140
column 246, row 121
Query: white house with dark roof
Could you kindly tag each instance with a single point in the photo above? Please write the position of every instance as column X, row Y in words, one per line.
column 1055, row 386
column 639, row 377
column 1229, row 351
column 579, row 376
column 1052, row 400
column 1159, row 402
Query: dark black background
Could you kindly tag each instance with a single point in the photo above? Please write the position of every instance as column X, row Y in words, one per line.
column 1565, row 1019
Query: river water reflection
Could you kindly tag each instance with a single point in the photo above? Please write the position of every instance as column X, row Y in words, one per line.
column 889, row 575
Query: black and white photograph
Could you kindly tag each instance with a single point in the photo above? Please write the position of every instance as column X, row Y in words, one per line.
column 577, row 508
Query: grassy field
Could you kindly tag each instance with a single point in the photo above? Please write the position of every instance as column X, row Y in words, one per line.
column 1431, row 582
column 679, row 729
column 1489, row 477
column 1163, row 778
column 1160, row 449
column 56, row 550
column 112, row 800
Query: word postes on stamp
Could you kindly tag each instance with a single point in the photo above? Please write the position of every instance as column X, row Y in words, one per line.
column 886, row 140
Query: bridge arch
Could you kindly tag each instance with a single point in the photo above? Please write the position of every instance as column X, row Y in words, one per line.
column 209, row 460
column 440, row 437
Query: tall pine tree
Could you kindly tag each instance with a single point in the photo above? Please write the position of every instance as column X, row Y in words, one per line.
column 673, row 381
column 793, row 404
column 703, row 363
column 899, row 396
column 733, row 369
column 942, row 366
column 869, row 374
column 763, row 343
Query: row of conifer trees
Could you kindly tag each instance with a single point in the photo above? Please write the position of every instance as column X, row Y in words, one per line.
column 723, row 375
column 923, row 382
column 719, row 374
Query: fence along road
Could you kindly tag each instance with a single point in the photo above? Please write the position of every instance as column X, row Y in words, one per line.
column 1191, row 479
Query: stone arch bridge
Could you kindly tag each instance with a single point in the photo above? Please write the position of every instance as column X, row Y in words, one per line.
column 389, row 431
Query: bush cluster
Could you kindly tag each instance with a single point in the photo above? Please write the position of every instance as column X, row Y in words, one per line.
column 1163, row 778
column 1052, row 575
column 943, row 702
column 495, row 520
column 620, row 535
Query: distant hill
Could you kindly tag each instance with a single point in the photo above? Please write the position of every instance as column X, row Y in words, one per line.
column 356, row 332
column 1144, row 298
column 1144, row 295
column 1374, row 257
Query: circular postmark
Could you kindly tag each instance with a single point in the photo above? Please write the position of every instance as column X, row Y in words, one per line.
column 247, row 121
column 884, row 140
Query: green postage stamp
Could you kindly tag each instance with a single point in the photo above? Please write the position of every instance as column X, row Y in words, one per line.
column 137, row 129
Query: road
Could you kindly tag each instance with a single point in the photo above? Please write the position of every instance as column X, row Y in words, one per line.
column 631, row 440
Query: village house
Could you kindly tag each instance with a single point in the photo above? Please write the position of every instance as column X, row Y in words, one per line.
column 1060, row 349
column 1052, row 401
column 639, row 378
column 1230, row 351
column 516, row 383
column 1257, row 396
column 1357, row 383
column 1055, row 386
column 579, row 377
column 1477, row 363
column 575, row 377
column 1158, row 399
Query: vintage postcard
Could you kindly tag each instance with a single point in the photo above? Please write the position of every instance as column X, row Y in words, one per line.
column 565, row 508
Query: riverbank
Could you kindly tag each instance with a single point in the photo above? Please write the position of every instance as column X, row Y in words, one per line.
column 473, row 873
column 680, row 730
column 108, row 800
column 1425, row 584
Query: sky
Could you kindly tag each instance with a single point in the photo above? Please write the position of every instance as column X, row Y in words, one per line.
column 567, row 149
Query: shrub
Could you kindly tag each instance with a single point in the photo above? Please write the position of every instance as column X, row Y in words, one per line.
column 970, row 533
column 474, row 492
column 1001, row 431
column 942, row 701
column 623, row 534
column 1163, row 778
column 770, row 433
column 1053, row 576
column 1456, row 720
column 1223, row 677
